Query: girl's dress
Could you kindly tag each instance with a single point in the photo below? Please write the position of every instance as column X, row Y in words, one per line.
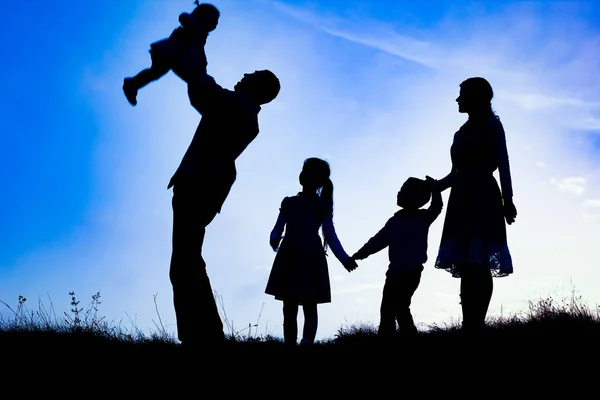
column 300, row 271
column 474, row 231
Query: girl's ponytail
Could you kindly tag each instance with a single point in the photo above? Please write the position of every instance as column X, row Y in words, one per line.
column 327, row 197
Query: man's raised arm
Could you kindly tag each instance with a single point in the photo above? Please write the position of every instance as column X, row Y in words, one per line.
column 204, row 92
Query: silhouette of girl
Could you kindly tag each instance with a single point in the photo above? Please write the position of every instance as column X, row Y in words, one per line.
column 473, row 246
column 300, row 275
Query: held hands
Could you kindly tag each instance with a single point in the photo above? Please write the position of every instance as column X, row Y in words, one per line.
column 433, row 182
column 351, row 264
column 275, row 244
column 510, row 211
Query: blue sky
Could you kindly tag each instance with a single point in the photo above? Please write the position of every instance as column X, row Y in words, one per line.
column 368, row 85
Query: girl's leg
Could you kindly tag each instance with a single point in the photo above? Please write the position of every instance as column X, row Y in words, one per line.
column 290, row 322
column 311, row 320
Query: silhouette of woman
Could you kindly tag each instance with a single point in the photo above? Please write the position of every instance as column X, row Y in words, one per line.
column 473, row 245
column 300, row 275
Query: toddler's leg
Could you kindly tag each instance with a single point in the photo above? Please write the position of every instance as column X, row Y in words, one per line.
column 131, row 85
column 311, row 321
column 290, row 322
column 148, row 75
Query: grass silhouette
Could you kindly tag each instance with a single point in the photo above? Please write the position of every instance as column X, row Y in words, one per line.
column 550, row 330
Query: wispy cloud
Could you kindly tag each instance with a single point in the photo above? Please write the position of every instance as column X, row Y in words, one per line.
column 592, row 203
column 574, row 185
column 470, row 53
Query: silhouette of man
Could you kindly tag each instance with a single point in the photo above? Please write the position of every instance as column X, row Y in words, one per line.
column 201, row 184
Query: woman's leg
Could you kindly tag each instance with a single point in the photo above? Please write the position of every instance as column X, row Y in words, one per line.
column 311, row 320
column 486, row 288
column 476, row 287
column 467, row 297
column 290, row 322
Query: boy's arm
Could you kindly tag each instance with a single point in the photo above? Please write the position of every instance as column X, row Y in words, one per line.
column 435, row 208
column 446, row 181
column 375, row 244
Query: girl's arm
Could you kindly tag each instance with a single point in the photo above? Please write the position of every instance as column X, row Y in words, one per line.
column 502, row 160
column 277, row 231
column 333, row 241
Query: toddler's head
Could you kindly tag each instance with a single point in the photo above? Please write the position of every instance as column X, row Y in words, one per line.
column 414, row 194
column 207, row 15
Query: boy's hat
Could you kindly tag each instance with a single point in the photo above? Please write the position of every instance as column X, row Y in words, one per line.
column 414, row 193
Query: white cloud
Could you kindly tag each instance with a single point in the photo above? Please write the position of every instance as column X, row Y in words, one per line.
column 574, row 185
column 591, row 203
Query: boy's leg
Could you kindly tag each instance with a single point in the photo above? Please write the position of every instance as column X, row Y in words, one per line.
column 311, row 321
column 387, row 320
column 290, row 322
column 407, row 284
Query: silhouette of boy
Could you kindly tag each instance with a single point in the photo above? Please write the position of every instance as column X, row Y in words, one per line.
column 405, row 233
column 168, row 54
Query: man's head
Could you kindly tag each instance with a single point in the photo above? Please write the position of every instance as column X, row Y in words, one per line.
column 262, row 86
column 414, row 194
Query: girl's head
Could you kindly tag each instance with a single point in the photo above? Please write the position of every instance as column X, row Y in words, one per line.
column 475, row 97
column 314, row 176
column 315, row 173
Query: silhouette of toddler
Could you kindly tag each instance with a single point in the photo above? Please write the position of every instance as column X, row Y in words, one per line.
column 167, row 54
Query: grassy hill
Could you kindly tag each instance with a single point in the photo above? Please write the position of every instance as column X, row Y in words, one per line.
column 552, row 337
